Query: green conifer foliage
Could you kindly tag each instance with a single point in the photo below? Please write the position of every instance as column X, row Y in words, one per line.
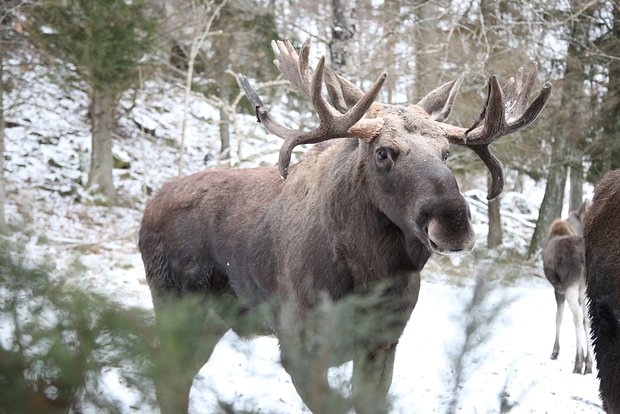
column 58, row 340
column 105, row 40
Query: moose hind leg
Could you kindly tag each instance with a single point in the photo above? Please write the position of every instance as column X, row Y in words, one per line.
column 187, row 333
column 572, row 296
column 559, row 299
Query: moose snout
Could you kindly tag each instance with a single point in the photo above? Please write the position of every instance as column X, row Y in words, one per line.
column 444, row 214
column 447, row 222
column 450, row 236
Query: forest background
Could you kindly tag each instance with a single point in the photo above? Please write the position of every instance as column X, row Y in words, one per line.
column 109, row 56
column 107, row 48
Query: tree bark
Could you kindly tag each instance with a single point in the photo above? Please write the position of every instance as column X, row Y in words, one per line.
column 551, row 206
column 197, row 43
column 101, row 165
column 565, row 139
column 390, row 55
column 224, row 132
column 189, row 76
column 576, row 183
column 611, row 102
column 489, row 14
column 3, row 223
column 425, row 74
column 343, row 31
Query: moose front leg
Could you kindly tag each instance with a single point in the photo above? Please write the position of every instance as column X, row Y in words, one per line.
column 372, row 377
column 308, row 371
column 373, row 363
column 307, row 351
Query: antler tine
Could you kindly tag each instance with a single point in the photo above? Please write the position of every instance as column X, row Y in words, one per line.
column 522, row 92
column 324, row 111
column 359, row 109
column 495, row 168
column 333, row 125
column 261, row 113
column 295, row 68
column 506, row 111
column 500, row 120
column 510, row 90
column 292, row 65
column 494, row 115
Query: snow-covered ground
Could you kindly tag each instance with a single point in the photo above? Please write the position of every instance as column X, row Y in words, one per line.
column 47, row 144
column 511, row 366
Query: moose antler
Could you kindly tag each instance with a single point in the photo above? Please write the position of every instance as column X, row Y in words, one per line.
column 505, row 111
column 333, row 124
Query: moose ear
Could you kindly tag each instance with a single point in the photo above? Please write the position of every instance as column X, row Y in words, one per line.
column 342, row 93
column 438, row 103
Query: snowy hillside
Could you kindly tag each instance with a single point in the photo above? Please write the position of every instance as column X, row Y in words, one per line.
column 47, row 153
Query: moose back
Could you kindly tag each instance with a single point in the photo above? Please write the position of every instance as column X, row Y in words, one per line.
column 362, row 210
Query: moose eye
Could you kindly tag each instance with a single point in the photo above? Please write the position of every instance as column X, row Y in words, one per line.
column 382, row 154
column 445, row 155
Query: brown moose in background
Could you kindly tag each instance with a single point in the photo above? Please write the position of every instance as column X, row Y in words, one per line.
column 357, row 214
column 602, row 244
column 564, row 265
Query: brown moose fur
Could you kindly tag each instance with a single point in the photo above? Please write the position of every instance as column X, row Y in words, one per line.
column 602, row 242
column 560, row 227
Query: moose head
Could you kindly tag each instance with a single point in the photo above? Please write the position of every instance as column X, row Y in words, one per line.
column 403, row 149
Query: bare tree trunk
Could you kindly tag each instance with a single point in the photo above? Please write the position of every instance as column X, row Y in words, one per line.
column 496, row 233
column 224, row 132
column 343, row 31
column 611, row 102
column 197, row 43
column 565, row 137
column 489, row 15
column 189, row 76
column 576, row 184
column 425, row 74
column 389, row 65
column 551, row 206
column 101, row 165
column 392, row 11
column 3, row 223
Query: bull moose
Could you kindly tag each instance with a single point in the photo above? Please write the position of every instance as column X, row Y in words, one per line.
column 602, row 242
column 359, row 212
